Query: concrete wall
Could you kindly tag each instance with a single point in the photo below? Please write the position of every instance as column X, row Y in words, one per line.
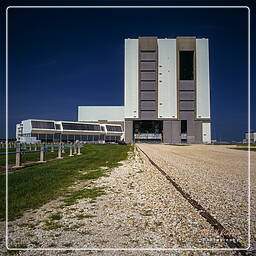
column 27, row 126
column 128, row 131
column 95, row 113
column 198, row 131
column 206, row 132
column 131, row 79
column 202, row 79
column 171, row 131
column 167, row 79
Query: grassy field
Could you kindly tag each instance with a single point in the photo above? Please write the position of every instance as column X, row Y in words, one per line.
column 235, row 144
column 245, row 148
column 32, row 187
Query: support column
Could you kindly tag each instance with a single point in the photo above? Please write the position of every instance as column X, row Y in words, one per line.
column 128, row 131
column 18, row 157
column 167, row 136
column 191, row 131
column 70, row 149
column 75, row 148
column 79, row 149
column 198, row 132
column 42, row 154
column 59, row 152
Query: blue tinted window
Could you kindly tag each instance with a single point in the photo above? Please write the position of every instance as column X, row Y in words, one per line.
column 42, row 125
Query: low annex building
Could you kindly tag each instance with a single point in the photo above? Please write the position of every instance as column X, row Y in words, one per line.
column 167, row 92
column 250, row 137
column 32, row 131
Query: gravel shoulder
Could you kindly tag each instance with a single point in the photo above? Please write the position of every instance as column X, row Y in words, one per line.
column 138, row 209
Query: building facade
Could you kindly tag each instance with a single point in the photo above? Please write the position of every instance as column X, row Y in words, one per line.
column 167, row 92
column 250, row 137
column 34, row 130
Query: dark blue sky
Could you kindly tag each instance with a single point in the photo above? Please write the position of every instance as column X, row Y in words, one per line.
column 62, row 58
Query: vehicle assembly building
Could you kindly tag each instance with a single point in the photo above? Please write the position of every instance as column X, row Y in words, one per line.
column 167, row 97
column 167, row 92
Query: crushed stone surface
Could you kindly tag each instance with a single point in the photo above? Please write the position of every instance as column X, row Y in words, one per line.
column 143, row 211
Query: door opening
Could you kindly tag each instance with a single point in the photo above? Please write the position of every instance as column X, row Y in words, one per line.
column 148, row 131
column 183, row 131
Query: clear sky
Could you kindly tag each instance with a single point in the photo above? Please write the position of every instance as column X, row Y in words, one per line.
column 62, row 58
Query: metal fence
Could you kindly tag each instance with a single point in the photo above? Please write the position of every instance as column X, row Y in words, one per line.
column 21, row 149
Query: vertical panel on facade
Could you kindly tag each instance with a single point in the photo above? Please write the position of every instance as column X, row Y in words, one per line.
column 148, row 76
column 202, row 79
column 206, row 131
column 131, row 78
column 167, row 78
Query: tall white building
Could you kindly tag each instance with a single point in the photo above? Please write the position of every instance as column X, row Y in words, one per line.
column 167, row 92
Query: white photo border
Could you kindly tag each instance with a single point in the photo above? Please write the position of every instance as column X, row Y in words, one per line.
column 133, row 249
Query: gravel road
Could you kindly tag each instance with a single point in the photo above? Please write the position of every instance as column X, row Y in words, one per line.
column 141, row 209
column 214, row 176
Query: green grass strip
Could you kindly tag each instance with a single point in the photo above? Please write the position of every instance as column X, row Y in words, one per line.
column 246, row 149
column 32, row 187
